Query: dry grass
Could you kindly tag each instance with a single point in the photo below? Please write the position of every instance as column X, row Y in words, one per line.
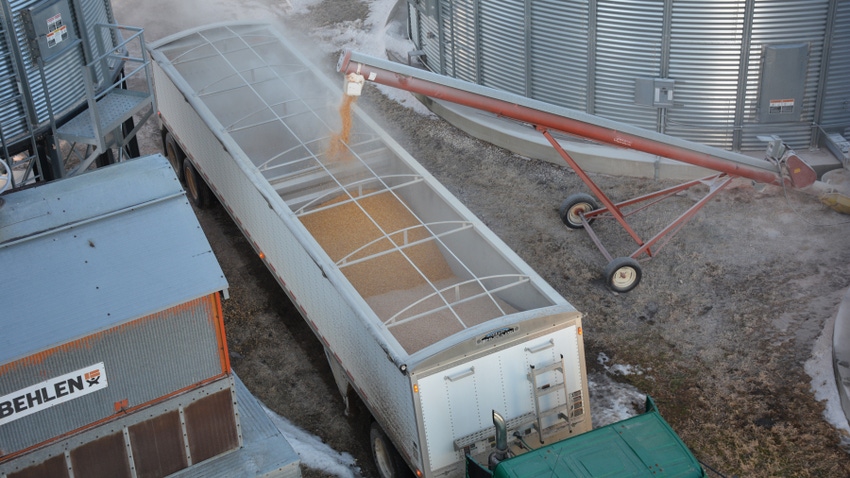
column 739, row 428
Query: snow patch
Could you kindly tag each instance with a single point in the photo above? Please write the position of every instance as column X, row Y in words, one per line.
column 611, row 401
column 313, row 452
column 819, row 367
column 618, row 369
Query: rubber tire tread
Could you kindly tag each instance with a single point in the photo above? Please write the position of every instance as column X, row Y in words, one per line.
column 399, row 468
column 201, row 195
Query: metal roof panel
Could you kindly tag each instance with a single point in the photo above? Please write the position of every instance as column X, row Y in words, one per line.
column 89, row 252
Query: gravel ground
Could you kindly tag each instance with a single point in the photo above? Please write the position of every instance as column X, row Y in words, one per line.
column 719, row 329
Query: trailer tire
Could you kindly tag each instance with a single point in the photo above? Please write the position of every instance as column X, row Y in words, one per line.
column 623, row 274
column 196, row 188
column 574, row 205
column 175, row 156
column 387, row 459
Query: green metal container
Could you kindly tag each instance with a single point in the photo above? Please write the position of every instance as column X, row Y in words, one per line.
column 640, row 446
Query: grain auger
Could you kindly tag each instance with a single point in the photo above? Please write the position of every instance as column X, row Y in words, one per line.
column 781, row 165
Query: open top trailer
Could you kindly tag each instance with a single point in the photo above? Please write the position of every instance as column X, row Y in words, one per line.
column 424, row 314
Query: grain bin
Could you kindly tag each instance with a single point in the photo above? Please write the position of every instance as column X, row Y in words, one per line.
column 113, row 356
column 721, row 73
column 46, row 46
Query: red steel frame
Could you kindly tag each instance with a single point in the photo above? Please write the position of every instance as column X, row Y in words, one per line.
column 615, row 210
column 400, row 76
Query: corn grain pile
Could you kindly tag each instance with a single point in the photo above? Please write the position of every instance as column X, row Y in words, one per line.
column 390, row 282
column 343, row 229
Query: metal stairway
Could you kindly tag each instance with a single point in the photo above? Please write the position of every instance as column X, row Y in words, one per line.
column 108, row 121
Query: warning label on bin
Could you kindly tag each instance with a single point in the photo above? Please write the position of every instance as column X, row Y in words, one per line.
column 52, row 392
column 783, row 106
column 57, row 30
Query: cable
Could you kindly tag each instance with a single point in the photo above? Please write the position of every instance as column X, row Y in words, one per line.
column 518, row 435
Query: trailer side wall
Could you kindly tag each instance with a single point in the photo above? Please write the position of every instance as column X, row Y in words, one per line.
column 272, row 232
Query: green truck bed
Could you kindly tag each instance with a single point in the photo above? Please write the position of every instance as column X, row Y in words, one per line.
column 640, row 446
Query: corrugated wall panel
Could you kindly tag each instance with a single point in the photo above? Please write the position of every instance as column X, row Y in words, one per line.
column 12, row 121
column 559, row 52
column 104, row 457
column 705, row 51
column 157, row 445
column 461, row 37
column 836, row 95
column 64, row 82
column 704, row 57
column 429, row 40
column 211, row 426
column 502, row 44
column 629, row 44
column 54, row 468
column 144, row 360
column 94, row 12
column 778, row 22
column 64, row 74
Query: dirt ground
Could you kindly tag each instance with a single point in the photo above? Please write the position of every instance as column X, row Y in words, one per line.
column 721, row 324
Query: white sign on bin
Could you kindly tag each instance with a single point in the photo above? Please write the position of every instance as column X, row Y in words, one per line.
column 54, row 391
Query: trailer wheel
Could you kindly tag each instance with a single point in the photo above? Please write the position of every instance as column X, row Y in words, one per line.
column 387, row 459
column 575, row 205
column 622, row 274
column 175, row 156
column 196, row 187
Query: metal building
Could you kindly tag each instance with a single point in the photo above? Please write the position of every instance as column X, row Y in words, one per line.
column 113, row 358
column 721, row 72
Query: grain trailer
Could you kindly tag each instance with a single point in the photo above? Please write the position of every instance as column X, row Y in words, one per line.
column 424, row 314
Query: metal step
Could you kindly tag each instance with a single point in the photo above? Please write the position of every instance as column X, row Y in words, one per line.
column 113, row 110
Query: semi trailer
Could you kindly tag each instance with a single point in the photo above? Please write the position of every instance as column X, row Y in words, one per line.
column 425, row 315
